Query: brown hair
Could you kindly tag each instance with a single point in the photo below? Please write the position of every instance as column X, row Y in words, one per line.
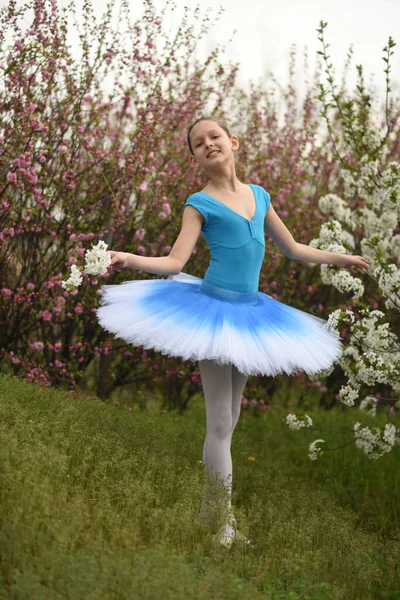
column 205, row 118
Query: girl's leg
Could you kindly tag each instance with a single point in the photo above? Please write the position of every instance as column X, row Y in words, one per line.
column 217, row 387
column 238, row 384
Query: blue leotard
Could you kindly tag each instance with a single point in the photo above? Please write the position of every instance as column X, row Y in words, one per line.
column 237, row 245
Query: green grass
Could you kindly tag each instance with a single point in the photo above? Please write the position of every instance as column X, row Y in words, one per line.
column 98, row 502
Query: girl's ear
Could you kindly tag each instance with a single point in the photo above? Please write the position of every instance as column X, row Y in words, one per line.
column 193, row 162
column 235, row 142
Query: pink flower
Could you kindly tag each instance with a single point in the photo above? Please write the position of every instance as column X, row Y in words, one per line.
column 36, row 346
column 139, row 235
column 78, row 309
column 141, row 250
column 46, row 315
column 30, row 286
column 63, row 149
column 6, row 292
column 166, row 208
column 143, row 186
column 12, row 177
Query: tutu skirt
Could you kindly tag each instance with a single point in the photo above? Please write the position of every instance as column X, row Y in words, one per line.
column 187, row 317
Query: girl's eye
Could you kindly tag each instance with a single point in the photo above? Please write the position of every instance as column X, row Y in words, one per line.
column 213, row 137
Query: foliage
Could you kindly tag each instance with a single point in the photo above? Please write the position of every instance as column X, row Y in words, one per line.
column 96, row 501
column 93, row 147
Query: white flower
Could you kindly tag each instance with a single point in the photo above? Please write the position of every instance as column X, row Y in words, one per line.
column 347, row 394
column 345, row 282
column 294, row 423
column 97, row 260
column 337, row 317
column 368, row 405
column 337, row 207
column 370, row 441
column 313, row 450
column 74, row 280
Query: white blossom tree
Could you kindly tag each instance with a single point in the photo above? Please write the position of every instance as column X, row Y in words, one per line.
column 364, row 219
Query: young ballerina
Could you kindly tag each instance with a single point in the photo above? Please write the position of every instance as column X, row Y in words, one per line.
column 222, row 321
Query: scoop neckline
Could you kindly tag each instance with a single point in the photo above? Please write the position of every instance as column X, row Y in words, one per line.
column 234, row 211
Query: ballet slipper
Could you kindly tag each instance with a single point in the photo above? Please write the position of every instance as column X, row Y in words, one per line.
column 225, row 538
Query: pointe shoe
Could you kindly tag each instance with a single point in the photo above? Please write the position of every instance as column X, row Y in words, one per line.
column 227, row 534
column 226, row 539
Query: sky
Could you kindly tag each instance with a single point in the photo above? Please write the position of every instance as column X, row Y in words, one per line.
column 266, row 30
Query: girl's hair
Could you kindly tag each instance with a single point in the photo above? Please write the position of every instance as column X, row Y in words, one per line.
column 205, row 118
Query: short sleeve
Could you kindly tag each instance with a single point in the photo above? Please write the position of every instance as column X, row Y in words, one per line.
column 199, row 205
column 267, row 199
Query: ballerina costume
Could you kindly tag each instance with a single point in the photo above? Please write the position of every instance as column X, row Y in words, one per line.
column 222, row 317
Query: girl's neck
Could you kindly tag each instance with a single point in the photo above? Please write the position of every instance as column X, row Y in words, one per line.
column 225, row 183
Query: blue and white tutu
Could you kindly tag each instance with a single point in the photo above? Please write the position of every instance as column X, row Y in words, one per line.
column 187, row 317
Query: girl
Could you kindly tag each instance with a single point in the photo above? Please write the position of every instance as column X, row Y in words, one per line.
column 222, row 321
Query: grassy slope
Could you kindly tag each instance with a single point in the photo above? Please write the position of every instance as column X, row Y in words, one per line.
column 98, row 502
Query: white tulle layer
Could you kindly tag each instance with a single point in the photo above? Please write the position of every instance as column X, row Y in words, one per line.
column 170, row 316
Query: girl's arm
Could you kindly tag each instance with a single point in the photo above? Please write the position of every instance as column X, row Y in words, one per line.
column 180, row 253
column 282, row 237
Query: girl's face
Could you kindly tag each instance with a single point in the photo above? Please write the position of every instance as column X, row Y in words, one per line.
column 211, row 145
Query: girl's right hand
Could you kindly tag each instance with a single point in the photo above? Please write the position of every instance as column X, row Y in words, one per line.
column 119, row 259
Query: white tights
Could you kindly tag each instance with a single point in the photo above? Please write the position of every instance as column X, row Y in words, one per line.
column 223, row 387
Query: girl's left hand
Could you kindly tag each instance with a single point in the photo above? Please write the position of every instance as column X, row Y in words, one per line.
column 348, row 261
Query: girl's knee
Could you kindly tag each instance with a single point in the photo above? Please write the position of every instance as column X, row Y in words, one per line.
column 220, row 428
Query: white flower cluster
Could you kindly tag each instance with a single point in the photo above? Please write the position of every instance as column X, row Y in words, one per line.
column 74, row 280
column 373, row 336
column 372, row 356
column 373, row 368
column 96, row 262
column 368, row 405
column 331, row 232
column 335, row 239
column 348, row 393
column 294, row 423
column 390, row 179
column 389, row 282
column 345, row 282
column 313, row 450
column 332, row 204
column 370, row 440
column 342, row 280
column 337, row 318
